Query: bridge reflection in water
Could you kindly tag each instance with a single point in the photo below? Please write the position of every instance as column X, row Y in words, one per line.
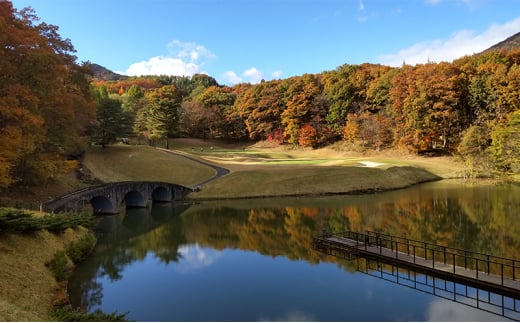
column 411, row 270
column 508, row 307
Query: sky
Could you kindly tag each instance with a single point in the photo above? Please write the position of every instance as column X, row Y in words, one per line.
column 238, row 41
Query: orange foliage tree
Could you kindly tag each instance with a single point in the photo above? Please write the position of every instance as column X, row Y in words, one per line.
column 44, row 99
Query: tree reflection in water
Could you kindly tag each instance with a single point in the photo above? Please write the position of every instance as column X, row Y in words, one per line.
column 479, row 218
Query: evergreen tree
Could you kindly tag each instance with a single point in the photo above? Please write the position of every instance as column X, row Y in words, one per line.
column 111, row 121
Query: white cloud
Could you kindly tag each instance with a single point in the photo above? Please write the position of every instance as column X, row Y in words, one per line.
column 251, row 75
column 361, row 5
column 183, row 59
column 231, row 77
column 461, row 43
column 277, row 74
column 195, row 257
column 190, row 51
column 163, row 65
column 440, row 310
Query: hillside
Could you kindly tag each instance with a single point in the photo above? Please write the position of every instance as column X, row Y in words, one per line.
column 512, row 42
column 103, row 73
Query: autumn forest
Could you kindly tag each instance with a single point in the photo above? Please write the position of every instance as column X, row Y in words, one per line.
column 52, row 108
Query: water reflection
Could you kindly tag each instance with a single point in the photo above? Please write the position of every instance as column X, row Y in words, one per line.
column 491, row 302
column 196, row 257
column 252, row 260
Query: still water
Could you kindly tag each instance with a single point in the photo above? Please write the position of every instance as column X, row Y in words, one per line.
column 252, row 260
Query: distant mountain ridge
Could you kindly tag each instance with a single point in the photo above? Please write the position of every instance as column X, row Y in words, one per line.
column 102, row 73
column 512, row 42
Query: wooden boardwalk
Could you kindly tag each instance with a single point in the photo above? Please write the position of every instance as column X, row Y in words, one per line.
column 495, row 274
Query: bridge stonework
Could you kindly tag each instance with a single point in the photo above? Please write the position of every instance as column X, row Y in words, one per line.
column 107, row 198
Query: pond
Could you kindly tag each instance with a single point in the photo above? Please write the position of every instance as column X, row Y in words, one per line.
column 253, row 260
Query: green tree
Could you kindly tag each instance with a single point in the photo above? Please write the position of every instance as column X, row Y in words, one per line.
column 473, row 150
column 163, row 113
column 505, row 146
column 111, row 120
column 338, row 89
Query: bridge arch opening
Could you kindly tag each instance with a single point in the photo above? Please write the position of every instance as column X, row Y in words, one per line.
column 161, row 194
column 102, row 205
column 135, row 199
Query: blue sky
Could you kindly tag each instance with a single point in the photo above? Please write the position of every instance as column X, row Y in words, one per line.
column 249, row 40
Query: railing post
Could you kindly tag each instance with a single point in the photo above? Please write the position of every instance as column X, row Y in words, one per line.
column 453, row 262
column 444, row 257
column 465, row 260
column 396, row 249
column 476, row 260
column 433, row 259
column 414, row 254
column 514, row 269
column 488, row 263
column 502, row 273
column 425, row 252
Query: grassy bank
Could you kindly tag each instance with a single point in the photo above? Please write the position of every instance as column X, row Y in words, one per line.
column 27, row 286
column 38, row 251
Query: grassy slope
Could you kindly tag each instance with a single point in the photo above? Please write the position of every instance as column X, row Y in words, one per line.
column 265, row 171
column 26, row 285
column 134, row 163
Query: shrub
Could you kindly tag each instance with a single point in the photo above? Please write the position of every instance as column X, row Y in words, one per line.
column 24, row 221
column 59, row 266
column 80, row 249
column 65, row 314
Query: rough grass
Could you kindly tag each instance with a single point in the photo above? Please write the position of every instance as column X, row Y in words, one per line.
column 27, row 286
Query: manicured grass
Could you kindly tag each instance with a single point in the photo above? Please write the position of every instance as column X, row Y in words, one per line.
column 265, row 171
column 302, row 180
column 141, row 163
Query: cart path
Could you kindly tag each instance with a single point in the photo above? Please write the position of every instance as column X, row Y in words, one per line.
column 221, row 171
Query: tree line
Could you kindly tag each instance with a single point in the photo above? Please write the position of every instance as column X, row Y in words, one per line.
column 470, row 107
column 51, row 107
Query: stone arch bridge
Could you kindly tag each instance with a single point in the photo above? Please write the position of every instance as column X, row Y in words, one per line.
column 107, row 198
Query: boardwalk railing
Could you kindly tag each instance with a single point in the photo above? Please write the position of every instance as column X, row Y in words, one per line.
column 482, row 299
column 480, row 263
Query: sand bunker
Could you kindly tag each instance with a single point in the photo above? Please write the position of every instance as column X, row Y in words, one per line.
column 370, row 164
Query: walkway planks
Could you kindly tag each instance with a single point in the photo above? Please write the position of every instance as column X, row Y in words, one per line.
column 497, row 274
